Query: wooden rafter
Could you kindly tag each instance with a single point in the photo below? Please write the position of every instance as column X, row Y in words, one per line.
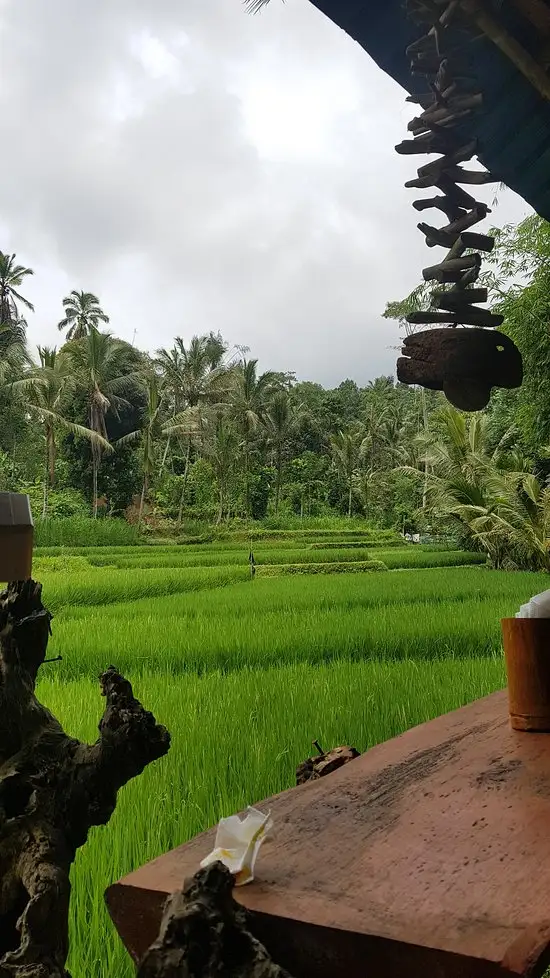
column 514, row 51
column 537, row 12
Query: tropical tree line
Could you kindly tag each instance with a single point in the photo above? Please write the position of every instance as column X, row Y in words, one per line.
column 194, row 428
column 488, row 474
column 198, row 430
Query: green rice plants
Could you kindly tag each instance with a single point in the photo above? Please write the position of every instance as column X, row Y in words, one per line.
column 354, row 544
column 171, row 594
column 60, row 564
column 123, row 551
column 419, row 558
column 328, row 524
column 240, row 626
column 236, row 739
column 394, row 557
column 357, row 567
column 247, row 672
column 82, row 531
column 96, row 588
column 258, row 532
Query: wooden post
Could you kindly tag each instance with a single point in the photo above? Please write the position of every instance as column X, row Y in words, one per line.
column 16, row 537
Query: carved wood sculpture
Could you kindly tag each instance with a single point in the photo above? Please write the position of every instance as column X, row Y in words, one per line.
column 460, row 362
column 52, row 787
column 204, row 934
column 464, row 363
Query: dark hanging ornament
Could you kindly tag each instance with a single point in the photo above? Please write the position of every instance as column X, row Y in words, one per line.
column 465, row 363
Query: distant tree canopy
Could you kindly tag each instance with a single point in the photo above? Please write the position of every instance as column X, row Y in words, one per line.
column 200, row 430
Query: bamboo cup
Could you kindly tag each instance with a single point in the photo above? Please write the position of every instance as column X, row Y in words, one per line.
column 527, row 653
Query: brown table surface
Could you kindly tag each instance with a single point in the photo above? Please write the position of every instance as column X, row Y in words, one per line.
column 428, row 855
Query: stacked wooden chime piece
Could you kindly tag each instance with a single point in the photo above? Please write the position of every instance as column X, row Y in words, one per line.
column 464, row 363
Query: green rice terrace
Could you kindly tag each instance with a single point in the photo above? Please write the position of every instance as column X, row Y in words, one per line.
column 346, row 636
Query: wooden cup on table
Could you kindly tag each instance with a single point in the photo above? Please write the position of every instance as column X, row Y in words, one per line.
column 527, row 654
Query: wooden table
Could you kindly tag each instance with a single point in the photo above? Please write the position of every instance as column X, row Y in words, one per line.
column 427, row 856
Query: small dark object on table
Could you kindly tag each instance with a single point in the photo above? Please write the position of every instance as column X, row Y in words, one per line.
column 325, row 763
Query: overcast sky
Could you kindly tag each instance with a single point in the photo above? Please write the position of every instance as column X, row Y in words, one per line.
column 200, row 168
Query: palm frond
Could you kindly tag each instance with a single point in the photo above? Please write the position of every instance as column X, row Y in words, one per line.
column 254, row 6
column 130, row 439
column 76, row 429
column 21, row 298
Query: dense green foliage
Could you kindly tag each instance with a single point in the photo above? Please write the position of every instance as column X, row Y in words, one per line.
column 197, row 435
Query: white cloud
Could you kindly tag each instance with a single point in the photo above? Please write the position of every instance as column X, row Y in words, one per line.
column 199, row 168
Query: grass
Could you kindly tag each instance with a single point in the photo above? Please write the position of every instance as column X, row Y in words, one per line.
column 246, row 673
column 97, row 587
column 341, row 544
column 123, row 617
column 82, row 531
column 419, row 558
column 175, row 557
column 182, row 547
column 174, row 644
column 455, row 585
column 236, row 739
column 308, row 534
column 349, row 567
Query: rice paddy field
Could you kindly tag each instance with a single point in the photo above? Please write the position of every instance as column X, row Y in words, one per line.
column 342, row 636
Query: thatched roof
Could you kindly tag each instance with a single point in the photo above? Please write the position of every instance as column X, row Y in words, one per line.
column 510, row 60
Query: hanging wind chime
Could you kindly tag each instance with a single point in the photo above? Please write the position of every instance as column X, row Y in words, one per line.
column 465, row 363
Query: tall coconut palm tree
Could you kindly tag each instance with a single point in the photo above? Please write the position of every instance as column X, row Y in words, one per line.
column 148, row 433
column 11, row 278
column 14, row 356
column 453, row 457
column 200, row 367
column 221, row 448
column 346, row 449
column 196, row 377
column 106, row 371
column 281, row 419
column 82, row 314
column 250, row 396
column 42, row 392
column 385, row 431
column 375, row 420
column 190, row 426
column 14, row 360
column 170, row 365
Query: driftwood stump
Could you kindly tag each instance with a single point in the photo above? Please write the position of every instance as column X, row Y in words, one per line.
column 52, row 788
column 325, row 763
column 204, row 934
